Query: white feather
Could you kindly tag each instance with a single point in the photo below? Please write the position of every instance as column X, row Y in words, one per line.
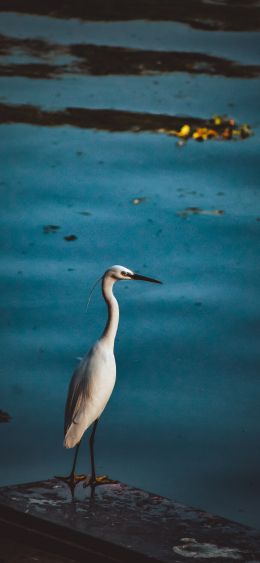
column 92, row 384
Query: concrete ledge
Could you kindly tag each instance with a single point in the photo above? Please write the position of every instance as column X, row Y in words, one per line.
column 119, row 523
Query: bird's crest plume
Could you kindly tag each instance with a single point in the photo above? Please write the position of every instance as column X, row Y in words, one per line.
column 91, row 292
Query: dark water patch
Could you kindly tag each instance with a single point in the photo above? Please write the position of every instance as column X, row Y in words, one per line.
column 105, row 60
column 198, row 211
column 4, row 416
column 85, row 118
column 50, row 229
column 100, row 60
column 35, row 47
column 235, row 15
column 70, row 238
column 120, row 121
column 32, row 70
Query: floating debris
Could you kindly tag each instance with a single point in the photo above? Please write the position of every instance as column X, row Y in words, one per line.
column 50, row 229
column 198, row 211
column 181, row 143
column 220, row 128
column 138, row 200
column 184, row 132
column 204, row 134
column 4, row 416
column 70, row 238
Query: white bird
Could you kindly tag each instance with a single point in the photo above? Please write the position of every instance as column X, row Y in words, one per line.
column 93, row 380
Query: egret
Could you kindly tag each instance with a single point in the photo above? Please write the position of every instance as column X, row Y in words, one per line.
column 93, row 380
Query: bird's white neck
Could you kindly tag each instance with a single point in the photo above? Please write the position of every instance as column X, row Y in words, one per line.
column 110, row 330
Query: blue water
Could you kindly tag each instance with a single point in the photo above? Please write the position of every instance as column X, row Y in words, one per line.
column 183, row 420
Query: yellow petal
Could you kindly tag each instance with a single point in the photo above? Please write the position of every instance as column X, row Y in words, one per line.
column 217, row 120
column 172, row 132
column 185, row 131
column 212, row 133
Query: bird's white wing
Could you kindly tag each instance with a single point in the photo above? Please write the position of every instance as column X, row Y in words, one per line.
column 90, row 388
column 77, row 393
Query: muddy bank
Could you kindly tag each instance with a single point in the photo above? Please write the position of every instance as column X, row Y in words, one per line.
column 103, row 60
column 231, row 16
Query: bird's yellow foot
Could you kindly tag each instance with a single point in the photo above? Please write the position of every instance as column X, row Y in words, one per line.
column 91, row 481
column 72, row 480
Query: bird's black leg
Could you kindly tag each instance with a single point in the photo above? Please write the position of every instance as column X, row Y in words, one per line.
column 92, row 457
column 75, row 460
column 93, row 480
column 72, row 480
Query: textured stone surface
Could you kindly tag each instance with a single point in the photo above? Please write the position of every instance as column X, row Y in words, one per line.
column 118, row 517
column 16, row 552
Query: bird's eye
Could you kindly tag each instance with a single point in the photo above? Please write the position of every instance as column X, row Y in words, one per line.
column 124, row 273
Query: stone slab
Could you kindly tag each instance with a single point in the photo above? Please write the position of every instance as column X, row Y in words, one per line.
column 120, row 523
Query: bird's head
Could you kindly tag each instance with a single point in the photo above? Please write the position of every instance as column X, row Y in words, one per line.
column 118, row 273
column 121, row 273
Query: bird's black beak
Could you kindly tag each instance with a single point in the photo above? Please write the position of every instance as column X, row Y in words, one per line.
column 144, row 278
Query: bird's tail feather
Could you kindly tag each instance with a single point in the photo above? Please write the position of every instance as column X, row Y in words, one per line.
column 72, row 436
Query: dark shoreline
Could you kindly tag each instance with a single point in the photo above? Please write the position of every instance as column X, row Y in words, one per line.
column 101, row 119
column 106, row 60
column 118, row 121
column 229, row 16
